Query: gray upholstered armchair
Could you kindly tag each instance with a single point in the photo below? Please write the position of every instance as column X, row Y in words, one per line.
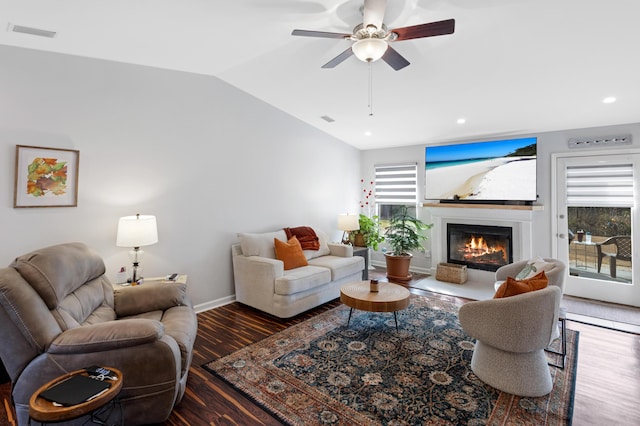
column 511, row 334
column 555, row 274
column 59, row 313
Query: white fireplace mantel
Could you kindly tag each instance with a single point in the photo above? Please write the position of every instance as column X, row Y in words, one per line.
column 520, row 220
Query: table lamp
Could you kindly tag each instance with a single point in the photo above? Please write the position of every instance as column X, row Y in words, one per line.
column 136, row 231
column 347, row 223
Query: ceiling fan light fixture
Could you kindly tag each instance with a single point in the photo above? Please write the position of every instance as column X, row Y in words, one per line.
column 371, row 29
column 369, row 49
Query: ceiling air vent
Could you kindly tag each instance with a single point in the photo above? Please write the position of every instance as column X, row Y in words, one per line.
column 30, row 30
column 596, row 142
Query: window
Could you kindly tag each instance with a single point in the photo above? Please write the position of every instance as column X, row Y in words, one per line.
column 396, row 186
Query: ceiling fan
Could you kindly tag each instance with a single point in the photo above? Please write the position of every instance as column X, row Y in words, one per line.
column 372, row 37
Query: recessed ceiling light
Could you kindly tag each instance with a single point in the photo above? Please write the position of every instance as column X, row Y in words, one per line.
column 461, row 120
column 609, row 100
column 368, row 133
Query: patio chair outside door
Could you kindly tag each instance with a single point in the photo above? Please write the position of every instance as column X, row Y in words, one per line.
column 621, row 245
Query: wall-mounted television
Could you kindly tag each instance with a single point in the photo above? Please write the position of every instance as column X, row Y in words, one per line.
column 500, row 171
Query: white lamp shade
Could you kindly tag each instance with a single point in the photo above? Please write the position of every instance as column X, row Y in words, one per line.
column 137, row 231
column 348, row 222
column 369, row 49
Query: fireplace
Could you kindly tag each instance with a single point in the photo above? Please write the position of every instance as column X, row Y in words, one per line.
column 479, row 246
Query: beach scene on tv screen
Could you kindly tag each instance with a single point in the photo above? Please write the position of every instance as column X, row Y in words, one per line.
column 494, row 171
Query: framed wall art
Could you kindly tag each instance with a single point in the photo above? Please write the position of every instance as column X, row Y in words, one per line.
column 46, row 177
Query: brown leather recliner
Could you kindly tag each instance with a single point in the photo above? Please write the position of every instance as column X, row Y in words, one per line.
column 59, row 313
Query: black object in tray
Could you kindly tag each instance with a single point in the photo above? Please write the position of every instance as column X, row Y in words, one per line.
column 75, row 390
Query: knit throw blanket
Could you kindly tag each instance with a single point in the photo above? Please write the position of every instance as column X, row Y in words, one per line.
column 306, row 235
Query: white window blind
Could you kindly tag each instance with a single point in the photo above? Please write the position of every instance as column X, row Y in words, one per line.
column 600, row 186
column 397, row 183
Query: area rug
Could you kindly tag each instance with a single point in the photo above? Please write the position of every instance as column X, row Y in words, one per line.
column 321, row 372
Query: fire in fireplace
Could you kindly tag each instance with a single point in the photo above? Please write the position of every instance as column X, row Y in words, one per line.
column 479, row 246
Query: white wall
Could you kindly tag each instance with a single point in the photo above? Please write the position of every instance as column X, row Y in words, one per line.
column 207, row 159
column 548, row 143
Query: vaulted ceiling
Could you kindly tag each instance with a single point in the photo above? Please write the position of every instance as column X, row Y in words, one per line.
column 511, row 67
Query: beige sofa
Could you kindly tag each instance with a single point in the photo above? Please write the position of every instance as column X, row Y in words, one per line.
column 59, row 313
column 262, row 282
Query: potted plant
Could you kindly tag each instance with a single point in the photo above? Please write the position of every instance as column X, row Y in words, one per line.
column 404, row 236
column 369, row 233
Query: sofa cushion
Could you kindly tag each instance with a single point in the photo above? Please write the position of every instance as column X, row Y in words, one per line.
column 260, row 244
column 324, row 246
column 89, row 304
column 513, row 287
column 55, row 272
column 290, row 253
column 302, row 279
column 340, row 266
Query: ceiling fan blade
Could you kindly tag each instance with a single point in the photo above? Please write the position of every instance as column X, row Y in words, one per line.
column 324, row 34
column 425, row 30
column 394, row 59
column 339, row 59
column 373, row 13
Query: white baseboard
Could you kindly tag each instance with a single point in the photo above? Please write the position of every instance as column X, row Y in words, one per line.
column 214, row 304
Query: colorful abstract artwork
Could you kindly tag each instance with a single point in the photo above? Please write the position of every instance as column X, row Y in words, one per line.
column 46, row 177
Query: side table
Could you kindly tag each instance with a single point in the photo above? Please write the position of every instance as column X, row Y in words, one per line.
column 42, row 410
column 585, row 245
column 363, row 252
column 389, row 298
column 182, row 279
column 562, row 352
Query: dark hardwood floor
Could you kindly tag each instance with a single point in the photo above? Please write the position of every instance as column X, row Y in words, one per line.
column 607, row 385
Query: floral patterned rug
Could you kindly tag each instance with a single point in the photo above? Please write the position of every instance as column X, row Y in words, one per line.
column 320, row 372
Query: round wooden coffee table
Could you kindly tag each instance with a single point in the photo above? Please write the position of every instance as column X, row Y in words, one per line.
column 389, row 298
column 45, row 411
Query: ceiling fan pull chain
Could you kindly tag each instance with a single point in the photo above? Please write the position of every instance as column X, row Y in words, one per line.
column 370, row 90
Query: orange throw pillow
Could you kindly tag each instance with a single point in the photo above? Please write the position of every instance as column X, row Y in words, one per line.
column 512, row 287
column 290, row 253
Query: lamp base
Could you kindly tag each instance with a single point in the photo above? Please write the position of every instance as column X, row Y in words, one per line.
column 136, row 255
column 346, row 238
